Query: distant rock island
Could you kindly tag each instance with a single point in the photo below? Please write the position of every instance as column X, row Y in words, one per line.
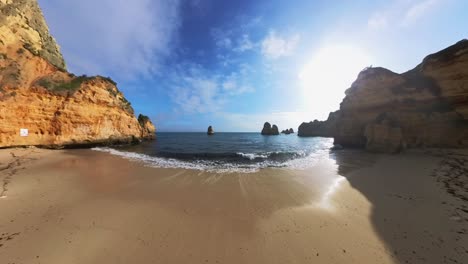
column 269, row 130
column 287, row 131
column 210, row 131
column 387, row 112
column 43, row 104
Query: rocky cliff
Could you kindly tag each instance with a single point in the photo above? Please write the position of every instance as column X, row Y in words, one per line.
column 385, row 111
column 44, row 105
column 319, row 128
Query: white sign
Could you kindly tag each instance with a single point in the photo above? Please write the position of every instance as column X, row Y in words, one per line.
column 24, row 132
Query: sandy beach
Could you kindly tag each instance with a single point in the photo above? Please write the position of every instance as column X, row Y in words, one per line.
column 84, row 206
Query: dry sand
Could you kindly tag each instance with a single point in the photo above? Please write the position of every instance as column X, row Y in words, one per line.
column 82, row 206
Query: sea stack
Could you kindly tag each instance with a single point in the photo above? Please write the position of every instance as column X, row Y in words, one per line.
column 43, row 104
column 210, row 131
column 269, row 130
column 287, row 131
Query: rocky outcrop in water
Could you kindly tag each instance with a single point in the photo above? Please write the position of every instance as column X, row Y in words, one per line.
column 388, row 112
column 270, row 130
column 148, row 129
column 44, row 105
column 210, row 130
column 319, row 128
column 287, row 131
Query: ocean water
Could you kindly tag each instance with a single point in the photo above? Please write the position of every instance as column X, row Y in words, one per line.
column 226, row 152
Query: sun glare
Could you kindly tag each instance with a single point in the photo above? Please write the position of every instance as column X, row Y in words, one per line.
column 326, row 76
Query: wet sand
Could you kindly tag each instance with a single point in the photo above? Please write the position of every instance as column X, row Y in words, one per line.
column 83, row 206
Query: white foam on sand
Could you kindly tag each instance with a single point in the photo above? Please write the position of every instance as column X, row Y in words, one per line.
column 301, row 163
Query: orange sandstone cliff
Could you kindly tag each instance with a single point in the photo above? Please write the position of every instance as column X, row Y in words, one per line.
column 51, row 107
column 387, row 112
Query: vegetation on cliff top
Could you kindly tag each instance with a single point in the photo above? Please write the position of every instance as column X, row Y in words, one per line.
column 142, row 119
column 59, row 86
column 73, row 85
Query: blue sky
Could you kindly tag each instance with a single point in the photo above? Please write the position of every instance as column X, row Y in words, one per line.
column 236, row 64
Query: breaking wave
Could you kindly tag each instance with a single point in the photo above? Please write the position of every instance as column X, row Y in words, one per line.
column 224, row 162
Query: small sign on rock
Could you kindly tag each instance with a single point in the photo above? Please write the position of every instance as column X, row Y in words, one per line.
column 24, row 132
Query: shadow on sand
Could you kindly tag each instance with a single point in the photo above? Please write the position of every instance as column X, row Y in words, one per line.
column 412, row 213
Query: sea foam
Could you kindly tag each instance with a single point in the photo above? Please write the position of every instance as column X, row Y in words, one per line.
column 300, row 161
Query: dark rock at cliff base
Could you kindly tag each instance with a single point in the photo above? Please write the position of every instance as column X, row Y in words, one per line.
column 269, row 130
column 336, row 147
column 385, row 111
column 210, row 131
column 319, row 128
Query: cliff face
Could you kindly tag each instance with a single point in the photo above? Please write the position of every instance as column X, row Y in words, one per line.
column 424, row 107
column 319, row 128
column 23, row 24
column 148, row 129
column 56, row 107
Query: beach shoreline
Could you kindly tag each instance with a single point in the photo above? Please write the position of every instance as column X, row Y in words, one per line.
column 85, row 206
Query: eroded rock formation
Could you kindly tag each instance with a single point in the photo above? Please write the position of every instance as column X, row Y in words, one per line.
column 385, row 111
column 287, row 131
column 270, row 130
column 319, row 128
column 210, row 130
column 48, row 105
column 148, row 129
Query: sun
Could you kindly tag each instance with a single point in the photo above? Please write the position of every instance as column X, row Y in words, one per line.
column 325, row 77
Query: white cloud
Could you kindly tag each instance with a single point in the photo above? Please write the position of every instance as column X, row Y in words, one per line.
column 113, row 37
column 378, row 20
column 274, row 46
column 197, row 90
column 229, row 85
column 228, row 40
column 235, row 37
column 401, row 13
column 221, row 38
column 197, row 95
column 247, row 23
column 418, row 10
column 236, row 84
column 245, row 44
